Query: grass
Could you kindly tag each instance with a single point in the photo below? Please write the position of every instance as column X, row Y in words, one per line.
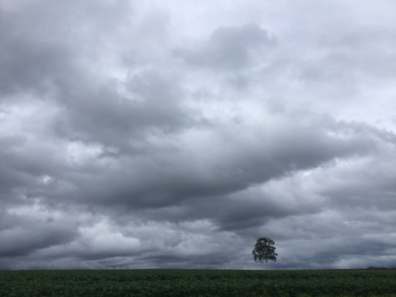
column 199, row 283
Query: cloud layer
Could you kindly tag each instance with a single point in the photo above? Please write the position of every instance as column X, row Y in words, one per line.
column 144, row 134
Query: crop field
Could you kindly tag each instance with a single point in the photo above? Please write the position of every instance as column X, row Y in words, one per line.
column 175, row 282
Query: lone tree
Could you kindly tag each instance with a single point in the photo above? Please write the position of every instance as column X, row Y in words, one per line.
column 264, row 250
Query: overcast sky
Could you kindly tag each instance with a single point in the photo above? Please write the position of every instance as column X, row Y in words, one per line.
column 174, row 134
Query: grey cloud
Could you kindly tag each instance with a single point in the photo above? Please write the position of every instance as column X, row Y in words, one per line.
column 352, row 56
column 165, row 178
column 239, row 82
column 54, row 69
column 169, row 176
column 228, row 48
column 104, row 116
column 21, row 236
column 48, row 40
column 344, row 69
column 112, row 144
column 339, row 246
column 343, row 249
column 26, row 66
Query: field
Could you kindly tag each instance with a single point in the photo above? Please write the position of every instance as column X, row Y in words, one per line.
column 173, row 282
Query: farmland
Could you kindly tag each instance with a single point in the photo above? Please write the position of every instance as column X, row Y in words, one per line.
column 173, row 282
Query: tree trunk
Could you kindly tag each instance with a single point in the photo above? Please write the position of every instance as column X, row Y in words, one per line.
column 266, row 263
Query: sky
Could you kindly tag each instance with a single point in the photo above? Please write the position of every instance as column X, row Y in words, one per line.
column 174, row 134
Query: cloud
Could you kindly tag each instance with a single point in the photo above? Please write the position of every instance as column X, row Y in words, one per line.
column 131, row 138
column 228, row 48
column 21, row 235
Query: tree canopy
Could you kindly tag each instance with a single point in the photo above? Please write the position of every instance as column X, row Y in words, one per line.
column 264, row 250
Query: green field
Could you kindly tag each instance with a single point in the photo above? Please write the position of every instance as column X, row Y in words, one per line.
column 174, row 282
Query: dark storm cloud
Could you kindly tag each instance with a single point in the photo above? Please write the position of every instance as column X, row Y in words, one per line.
column 56, row 68
column 120, row 147
column 343, row 250
column 22, row 236
column 104, row 116
column 27, row 66
column 166, row 177
column 39, row 43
